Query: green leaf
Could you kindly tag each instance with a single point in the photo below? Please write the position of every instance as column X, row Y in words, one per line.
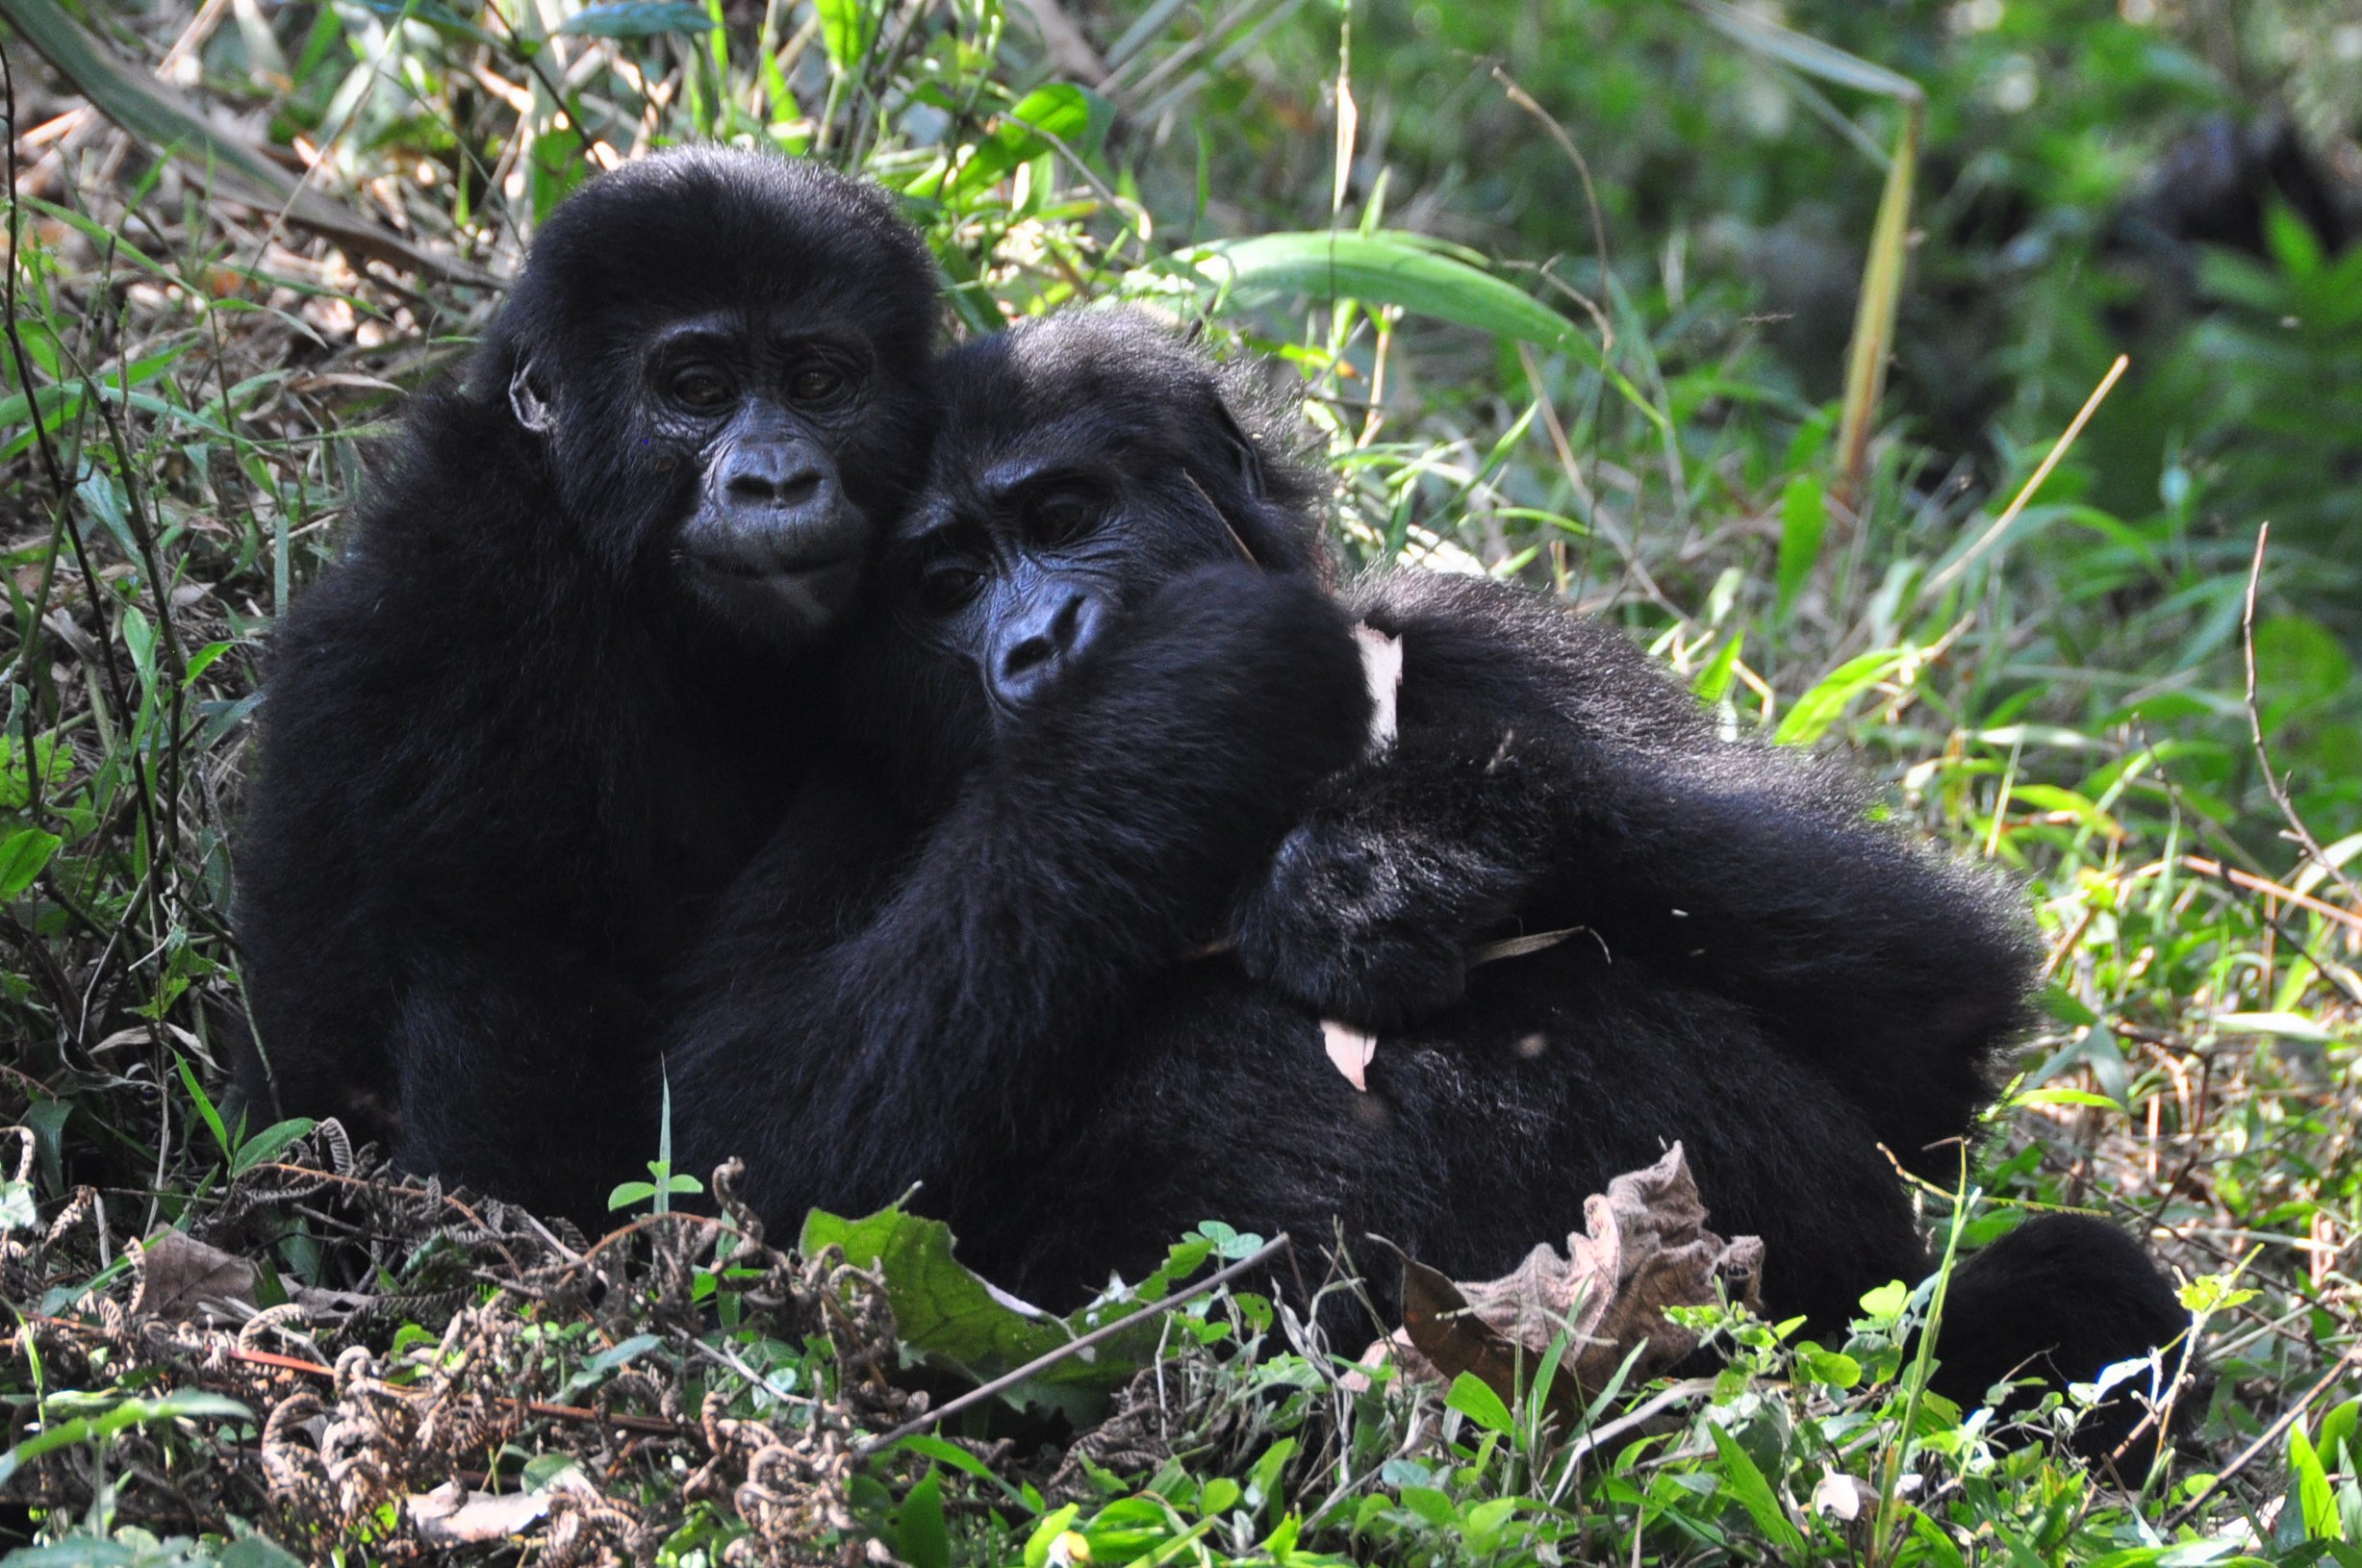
column 1828, row 1367
column 140, row 636
column 958, row 1458
column 2069, row 1096
column 2064, row 1005
column 1746, row 1483
column 270, row 1143
column 1388, row 268
column 629, row 1193
column 204, row 1105
column 1047, row 1533
column 1474, row 1398
column 595, row 1371
column 192, row 1402
column 17, row 1209
column 1714, row 680
column 921, row 1537
column 849, row 31
column 1826, row 704
column 1075, row 116
column 1804, row 517
column 959, row 1323
column 23, row 856
column 636, row 19
column 2312, row 1489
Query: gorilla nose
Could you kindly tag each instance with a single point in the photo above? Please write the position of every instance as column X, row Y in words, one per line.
column 1044, row 644
column 774, row 479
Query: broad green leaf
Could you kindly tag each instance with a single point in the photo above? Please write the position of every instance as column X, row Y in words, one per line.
column 1075, row 116
column 959, row 1322
column 921, row 1537
column 848, row 31
column 2312, row 1489
column 270, row 1143
column 1804, row 517
column 1746, row 1483
column 139, row 636
column 1714, row 680
column 1826, row 704
column 1388, row 268
column 595, row 1371
column 2064, row 1005
column 23, row 856
column 1474, row 1398
column 637, row 20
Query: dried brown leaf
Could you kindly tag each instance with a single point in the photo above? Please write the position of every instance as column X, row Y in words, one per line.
column 447, row 1516
column 1646, row 1249
column 183, row 1275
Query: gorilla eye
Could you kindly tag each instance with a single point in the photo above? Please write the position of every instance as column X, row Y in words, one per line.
column 817, row 383
column 1061, row 516
column 700, row 389
column 947, row 585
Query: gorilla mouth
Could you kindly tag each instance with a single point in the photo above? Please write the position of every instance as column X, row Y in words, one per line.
column 730, row 564
column 797, row 597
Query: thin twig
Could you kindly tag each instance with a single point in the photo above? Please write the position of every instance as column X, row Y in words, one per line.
column 1599, row 1437
column 1583, row 171
column 2026, row 491
column 1075, row 1347
column 2264, row 1439
column 2272, row 890
column 2301, row 833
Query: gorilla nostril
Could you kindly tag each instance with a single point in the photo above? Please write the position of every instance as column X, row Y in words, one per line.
column 1069, row 618
column 757, row 488
column 1027, row 656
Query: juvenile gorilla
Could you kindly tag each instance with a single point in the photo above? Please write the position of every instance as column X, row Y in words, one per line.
column 1760, row 971
column 548, row 701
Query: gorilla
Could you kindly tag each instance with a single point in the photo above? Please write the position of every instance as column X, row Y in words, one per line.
column 549, row 701
column 1106, row 709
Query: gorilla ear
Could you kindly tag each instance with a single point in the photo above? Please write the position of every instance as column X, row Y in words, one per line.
column 1246, row 459
column 529, row 402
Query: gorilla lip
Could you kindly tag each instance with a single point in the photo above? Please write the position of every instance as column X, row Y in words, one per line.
column 808, row 594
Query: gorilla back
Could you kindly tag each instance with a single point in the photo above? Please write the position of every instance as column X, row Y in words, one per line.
column 538, row 712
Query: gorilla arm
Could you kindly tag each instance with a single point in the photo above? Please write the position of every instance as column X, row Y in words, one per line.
column 1101, row 837
column 1548, row 773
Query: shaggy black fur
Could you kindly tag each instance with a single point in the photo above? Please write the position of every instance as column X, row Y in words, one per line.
column 976, row 986
column 549, row 699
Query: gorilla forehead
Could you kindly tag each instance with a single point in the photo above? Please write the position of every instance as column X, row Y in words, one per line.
column 704, row 230
column 1108, row 380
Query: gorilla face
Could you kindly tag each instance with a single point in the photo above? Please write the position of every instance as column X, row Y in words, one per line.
column 773, row 537
column 1084, row 461
column 726, row 362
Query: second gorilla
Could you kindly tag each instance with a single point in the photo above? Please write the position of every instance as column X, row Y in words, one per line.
column 1089, row 737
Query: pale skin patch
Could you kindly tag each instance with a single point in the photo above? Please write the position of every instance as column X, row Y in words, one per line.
column 1350, row 1051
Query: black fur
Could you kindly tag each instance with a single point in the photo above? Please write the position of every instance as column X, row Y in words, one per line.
column 549, row 699
column 982, row 992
